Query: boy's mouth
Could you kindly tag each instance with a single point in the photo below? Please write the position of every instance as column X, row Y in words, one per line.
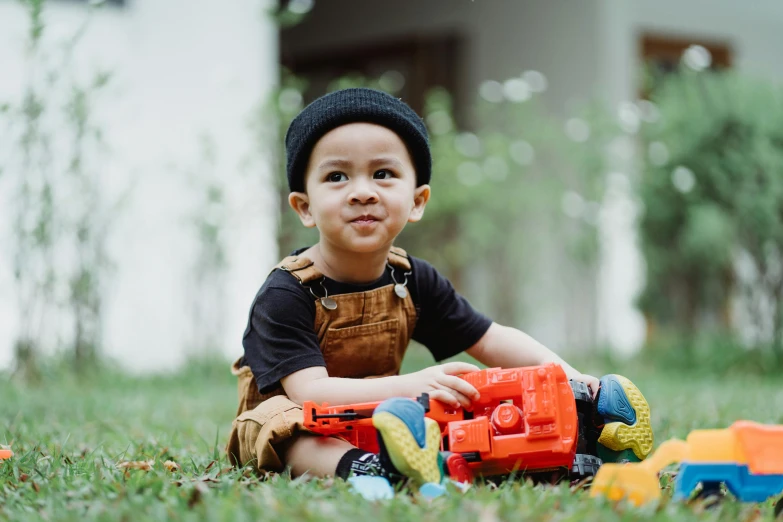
column 365, row 218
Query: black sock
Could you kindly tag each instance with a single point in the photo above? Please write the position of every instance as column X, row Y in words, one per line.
column 359, row 462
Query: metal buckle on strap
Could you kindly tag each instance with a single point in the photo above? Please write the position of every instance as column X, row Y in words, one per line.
column 399, row 288
column 326, row 301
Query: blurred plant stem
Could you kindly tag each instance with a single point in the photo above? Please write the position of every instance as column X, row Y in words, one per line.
column 89, row 226
column 208, row 221
column 60, row 217
column 34, row 220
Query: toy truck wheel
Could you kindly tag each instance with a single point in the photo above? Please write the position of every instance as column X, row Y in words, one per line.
column 710, row 493
column 587, row 431
column 709, row 489
column 779, row 508
column 584, row 466
column 549, row 477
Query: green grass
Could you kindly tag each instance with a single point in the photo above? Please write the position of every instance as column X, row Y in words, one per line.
column 70, row 434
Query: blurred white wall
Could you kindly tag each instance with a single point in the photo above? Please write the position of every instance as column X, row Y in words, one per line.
column 584, row 48
column 181, row 70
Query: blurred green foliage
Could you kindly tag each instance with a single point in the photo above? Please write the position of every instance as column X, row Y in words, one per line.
column 712, row 226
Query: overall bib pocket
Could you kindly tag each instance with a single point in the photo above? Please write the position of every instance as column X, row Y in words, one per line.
column 365, row 350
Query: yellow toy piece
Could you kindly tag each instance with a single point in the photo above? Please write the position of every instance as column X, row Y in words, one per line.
column 715, row 446
column 6, row 453
column 638, row 482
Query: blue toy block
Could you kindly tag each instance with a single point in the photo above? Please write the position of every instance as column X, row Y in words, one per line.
column 737, row 477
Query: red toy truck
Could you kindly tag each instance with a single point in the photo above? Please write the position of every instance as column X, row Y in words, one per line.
column 527, row 420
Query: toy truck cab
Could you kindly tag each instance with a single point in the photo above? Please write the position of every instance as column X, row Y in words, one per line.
column 525, row 420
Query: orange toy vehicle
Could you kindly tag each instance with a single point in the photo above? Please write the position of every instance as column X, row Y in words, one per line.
column 526, row 420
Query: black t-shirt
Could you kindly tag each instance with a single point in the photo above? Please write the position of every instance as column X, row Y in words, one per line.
column 280, row 337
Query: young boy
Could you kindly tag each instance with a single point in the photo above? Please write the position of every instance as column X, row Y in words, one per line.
column 331, row 322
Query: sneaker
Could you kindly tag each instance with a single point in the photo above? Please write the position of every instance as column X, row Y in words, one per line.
column 627, row 433
column 409, row 442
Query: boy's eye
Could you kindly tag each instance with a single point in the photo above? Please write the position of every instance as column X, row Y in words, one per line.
column 335, row 177
column 383, row 174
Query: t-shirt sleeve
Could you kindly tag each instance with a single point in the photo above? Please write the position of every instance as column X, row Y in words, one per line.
column 280, row 338
column 447, row 323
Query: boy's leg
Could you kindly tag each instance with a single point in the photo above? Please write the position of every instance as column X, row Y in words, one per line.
column 321, row 456
column 273, row 436
column 316, row 455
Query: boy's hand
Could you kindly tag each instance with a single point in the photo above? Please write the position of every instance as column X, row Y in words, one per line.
column 591, row 382
column 441, row 383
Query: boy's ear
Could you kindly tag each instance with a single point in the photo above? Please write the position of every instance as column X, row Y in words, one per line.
column 301, row 205
column 420, row 198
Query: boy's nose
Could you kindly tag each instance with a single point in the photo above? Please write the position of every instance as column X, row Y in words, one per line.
column 363, row 192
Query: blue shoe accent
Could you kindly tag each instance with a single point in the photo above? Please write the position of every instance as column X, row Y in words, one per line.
column 371, row 487
column 613, row 403
column 432, row 490
column 411, row 413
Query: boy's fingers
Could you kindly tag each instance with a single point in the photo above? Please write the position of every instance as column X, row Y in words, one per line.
column 443, row 396
column 461, row 399
column 593, row 383
column 458, row 367
column 460, row 385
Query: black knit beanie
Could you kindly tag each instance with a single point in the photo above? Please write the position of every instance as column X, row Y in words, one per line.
column 352, row 106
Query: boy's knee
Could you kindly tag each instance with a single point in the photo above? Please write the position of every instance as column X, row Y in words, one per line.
column 260, row 435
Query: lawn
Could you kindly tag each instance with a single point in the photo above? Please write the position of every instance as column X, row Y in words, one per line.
column 71, row 436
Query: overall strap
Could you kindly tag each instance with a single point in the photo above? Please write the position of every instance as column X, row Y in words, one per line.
column 304, row 270
column 398, row 258
column 301, row 268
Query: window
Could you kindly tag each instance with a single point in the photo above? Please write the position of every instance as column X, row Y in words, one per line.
column 418, row 64
column 663, row 54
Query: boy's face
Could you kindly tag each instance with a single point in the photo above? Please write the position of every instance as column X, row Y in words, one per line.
column 361, row 188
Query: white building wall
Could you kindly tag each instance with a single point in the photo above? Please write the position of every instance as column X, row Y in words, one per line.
column 181, row 70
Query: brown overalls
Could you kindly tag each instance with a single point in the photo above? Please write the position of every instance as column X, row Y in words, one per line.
column 365, row 336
